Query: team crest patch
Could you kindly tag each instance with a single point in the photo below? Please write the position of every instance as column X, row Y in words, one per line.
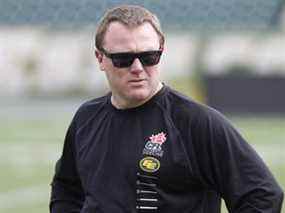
column 149, row 164
column 154, row 145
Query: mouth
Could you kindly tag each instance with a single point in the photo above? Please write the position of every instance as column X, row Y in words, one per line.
column 136, row 80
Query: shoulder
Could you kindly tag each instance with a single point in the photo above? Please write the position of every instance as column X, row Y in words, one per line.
column 93, row 104
column 90, row 108
column 181, row 105
column 184, row 110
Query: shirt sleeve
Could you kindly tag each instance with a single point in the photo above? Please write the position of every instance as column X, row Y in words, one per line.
column 67, row 193
column 232, row 168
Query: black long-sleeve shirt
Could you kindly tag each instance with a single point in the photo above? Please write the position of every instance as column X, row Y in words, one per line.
column 169, row 155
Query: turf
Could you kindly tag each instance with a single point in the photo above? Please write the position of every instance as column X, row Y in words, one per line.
column 29, row 148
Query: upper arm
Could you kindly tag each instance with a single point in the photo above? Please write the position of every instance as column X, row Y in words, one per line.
column 67, row 193
column 232, row 168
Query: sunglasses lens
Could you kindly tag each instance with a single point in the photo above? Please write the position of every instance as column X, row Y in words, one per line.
column 150, row 58
column 122, row 60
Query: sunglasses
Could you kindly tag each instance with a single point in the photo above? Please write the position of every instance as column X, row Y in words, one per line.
column 126, row 59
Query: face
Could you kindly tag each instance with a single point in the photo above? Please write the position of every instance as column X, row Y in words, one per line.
column 133, row 85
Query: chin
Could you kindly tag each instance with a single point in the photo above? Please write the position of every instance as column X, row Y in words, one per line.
column 140, row 95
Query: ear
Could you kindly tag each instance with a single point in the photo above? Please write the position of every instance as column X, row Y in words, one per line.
column 99, row 57
column 162, row 47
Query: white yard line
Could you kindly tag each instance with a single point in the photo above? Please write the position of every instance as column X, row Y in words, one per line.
column 23, row 197
column 272, row 153
column 29, row 154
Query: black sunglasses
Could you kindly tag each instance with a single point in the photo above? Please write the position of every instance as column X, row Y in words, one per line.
column 126, row 59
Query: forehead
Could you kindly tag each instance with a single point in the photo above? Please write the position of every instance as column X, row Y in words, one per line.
column 120, row 37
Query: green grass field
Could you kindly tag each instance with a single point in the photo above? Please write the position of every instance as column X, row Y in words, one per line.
column 30, row 145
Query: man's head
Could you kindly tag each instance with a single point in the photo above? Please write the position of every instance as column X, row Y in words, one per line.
column 129, row 43
column 131, row 16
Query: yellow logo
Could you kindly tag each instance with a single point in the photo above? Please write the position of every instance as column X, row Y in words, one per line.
column 149, row 164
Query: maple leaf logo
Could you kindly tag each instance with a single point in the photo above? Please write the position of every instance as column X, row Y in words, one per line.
column 159, row 138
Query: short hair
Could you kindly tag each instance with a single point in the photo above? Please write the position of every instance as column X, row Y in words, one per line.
column 130, row 15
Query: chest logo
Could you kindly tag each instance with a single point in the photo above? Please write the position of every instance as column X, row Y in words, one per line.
column 154, row 145
column 149, row 164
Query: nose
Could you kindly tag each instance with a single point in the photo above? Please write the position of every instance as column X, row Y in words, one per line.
column 136, row 66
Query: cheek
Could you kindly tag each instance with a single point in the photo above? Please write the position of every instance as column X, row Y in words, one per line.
column 152, row 72
column 116, row 77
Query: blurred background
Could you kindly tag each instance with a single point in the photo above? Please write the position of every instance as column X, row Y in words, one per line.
column 225, row 53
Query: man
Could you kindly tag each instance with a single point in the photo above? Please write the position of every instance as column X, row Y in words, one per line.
column 146, row 148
